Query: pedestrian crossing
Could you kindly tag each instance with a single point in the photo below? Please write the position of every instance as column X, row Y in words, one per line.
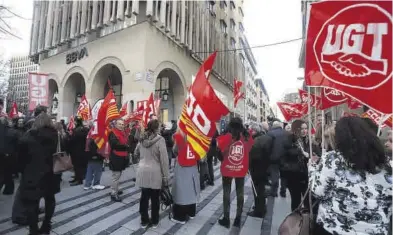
column 93, row 213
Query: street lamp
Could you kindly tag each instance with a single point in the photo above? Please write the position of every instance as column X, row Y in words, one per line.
column 165, row 95
column 78, row 98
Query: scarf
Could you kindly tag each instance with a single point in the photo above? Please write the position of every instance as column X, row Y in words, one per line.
column 120, row 135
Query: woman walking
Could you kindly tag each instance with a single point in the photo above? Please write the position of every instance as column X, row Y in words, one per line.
column 153, row 172
column 36, row 149
column 234, row 149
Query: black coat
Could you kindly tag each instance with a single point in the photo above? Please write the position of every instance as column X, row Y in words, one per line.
column 117, row 163
column 167, row 134
column 93, row 154
column 12, row 137
column 293, row 161
column 280, row 137
column 260, row 156
column 36, row 149
column 77, row 145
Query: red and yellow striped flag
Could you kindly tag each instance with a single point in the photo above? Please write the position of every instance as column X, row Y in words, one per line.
column 84, row 110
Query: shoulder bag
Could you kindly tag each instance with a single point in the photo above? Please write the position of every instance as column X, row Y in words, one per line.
column 61, row 160
column 300, row 221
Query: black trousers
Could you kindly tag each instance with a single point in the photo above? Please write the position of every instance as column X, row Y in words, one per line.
column 297, row 184
column 259, row 194
column 227, row 183
column 319, row 230
column 210, row 167
column 32, row 211
column 6, row 178
column 152, row 195
column 183, row 212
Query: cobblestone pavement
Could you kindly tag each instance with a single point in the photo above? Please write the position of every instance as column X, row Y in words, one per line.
column 92, row 212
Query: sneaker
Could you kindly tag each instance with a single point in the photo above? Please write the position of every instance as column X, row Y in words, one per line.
column 98, row 187
column 224, row 222
column 86, row 188
column 237, row 221
column 177, row 221
column 144, row 225
column 155, row 225
column 120, row 192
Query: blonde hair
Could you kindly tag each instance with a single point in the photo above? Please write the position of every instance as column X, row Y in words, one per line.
column 330, row 135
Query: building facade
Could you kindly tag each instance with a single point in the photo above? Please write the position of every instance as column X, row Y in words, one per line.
column 138, row 46
column 18, row 84
column 263, row 103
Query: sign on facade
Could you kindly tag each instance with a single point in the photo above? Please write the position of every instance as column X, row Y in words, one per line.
column 76, row 55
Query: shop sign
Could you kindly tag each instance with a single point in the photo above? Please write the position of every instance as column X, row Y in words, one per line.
column 76, row 55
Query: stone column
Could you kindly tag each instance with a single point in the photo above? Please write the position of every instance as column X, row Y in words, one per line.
column 107, row 12
column 173, row 21
column 149, row 8
column 35, row 28
column 64, row 21
column 163, row 14
column 83, row 18
column 135, row 7
column 183, row 22
column 120, row 10
column 56, row 23
column 73, row 19
column 113, row 16
column 49, row 22
column 94, row 15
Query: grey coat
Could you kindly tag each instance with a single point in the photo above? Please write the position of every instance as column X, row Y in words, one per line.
column 186, row 185
column 154, row 165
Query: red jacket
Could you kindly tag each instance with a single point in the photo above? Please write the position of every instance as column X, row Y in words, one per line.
column 235, row 155
column 185, row 155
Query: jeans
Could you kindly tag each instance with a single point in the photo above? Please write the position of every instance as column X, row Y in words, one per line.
column 152, row 195
column 115, row 182
column 170, row 153
column 32, row 211
column 227, row 183
column 94, row 172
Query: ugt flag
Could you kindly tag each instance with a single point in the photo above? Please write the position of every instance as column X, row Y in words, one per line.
column 201, row 111
column 349, row 48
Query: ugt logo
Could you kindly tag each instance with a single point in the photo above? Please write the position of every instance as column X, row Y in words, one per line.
column 334, row 95
column 354, row 44
column 236, row 153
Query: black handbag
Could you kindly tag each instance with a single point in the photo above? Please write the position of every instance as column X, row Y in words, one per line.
column 166, row 198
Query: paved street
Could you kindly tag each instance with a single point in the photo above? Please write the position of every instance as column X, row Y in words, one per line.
column 92, row 212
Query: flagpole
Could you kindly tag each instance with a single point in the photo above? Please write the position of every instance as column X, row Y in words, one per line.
column 323, row 125
column 309, row 121
column 381, row 121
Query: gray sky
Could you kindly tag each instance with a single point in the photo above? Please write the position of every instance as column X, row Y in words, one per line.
column 266, row 21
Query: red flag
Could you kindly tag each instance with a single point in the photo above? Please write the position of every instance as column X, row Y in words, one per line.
column 332, row 97
column 149, row 110
column 107, row 113
column 137, row 115
column 71, row 124
column 349, row 48
column 353, row 104
column 237, row 95
column 201, row 111
column 123, row 111
column 14, row 111
column 304, row 97
column 376, row 117
column 292, row 110
column 84, row 109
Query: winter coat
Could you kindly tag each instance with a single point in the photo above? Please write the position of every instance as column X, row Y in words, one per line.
column 154, row 164
column 117, row 163
column 280, row 137
column 260, row 156
column 133, row 138
column 35, row 150
column 93, row 154
column 77, row 144
column 12, row 137
column 167, row 134
column 293, row 160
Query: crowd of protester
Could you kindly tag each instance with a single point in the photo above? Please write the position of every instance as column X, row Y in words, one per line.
column 348, row 175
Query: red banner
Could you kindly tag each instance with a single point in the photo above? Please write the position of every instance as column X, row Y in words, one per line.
column 376, row 117
column 304, row 97
column 14, row 111
column 331, row 97
column 349, row 48
column 84, row 109
column 201, row 111
column 38, row 90
column 292, row 110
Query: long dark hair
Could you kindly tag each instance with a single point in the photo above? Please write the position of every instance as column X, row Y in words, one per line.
column 359, row 144
column 296, row 127
column 237, row 129
column 151, row 129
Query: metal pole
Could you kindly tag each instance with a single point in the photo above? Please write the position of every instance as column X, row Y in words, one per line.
column 309, row 121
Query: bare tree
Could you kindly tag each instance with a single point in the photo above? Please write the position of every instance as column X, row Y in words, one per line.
column 4, row 64
column 6, row 15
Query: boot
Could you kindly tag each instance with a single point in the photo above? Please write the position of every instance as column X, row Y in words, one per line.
column 46, row 227
column 237, row 221
column 115, row 198
column 33, row 230
column 224, row 222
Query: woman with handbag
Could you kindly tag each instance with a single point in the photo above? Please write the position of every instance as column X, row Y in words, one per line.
column 152, row 174
column 353, row 182
column 36, row 150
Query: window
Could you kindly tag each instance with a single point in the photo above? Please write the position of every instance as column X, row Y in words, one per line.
column 233, row 24
column 241, row 27
column 223, row 26
column 233, row 43
column 223, row 4
column 232, row 4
